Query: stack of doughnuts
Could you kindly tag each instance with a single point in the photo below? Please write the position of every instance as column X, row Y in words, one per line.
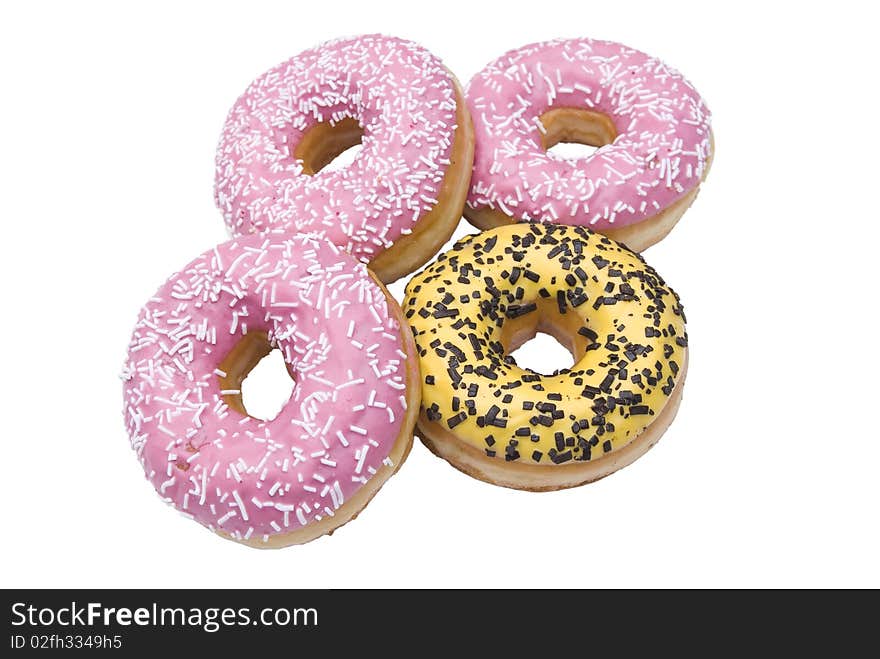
column 312, row 249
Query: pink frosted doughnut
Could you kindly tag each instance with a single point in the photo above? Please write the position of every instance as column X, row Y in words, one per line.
column 652, row 127
column 346, row 427
column 402, row 196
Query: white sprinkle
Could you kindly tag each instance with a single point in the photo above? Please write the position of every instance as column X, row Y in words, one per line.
column 240, row 505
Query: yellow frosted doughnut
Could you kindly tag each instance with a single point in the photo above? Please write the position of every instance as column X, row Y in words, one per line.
column 515, row 427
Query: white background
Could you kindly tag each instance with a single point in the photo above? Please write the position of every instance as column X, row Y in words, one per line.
column 109, row 119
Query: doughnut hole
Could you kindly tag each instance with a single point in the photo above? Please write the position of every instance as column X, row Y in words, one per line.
column 330, row 146
column 543, row 354
column 255, row 373
column 545, row 320
column 574, row 133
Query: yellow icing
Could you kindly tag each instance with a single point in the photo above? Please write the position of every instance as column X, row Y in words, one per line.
column 473, row 305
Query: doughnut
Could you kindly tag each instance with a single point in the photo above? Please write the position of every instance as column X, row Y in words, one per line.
column 516, row 427
column 347, row 426
column 401, row 198
column 651, row 127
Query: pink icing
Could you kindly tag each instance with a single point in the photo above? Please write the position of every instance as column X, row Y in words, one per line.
column 660, row 152
column 331, row 322
column 404, row 99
